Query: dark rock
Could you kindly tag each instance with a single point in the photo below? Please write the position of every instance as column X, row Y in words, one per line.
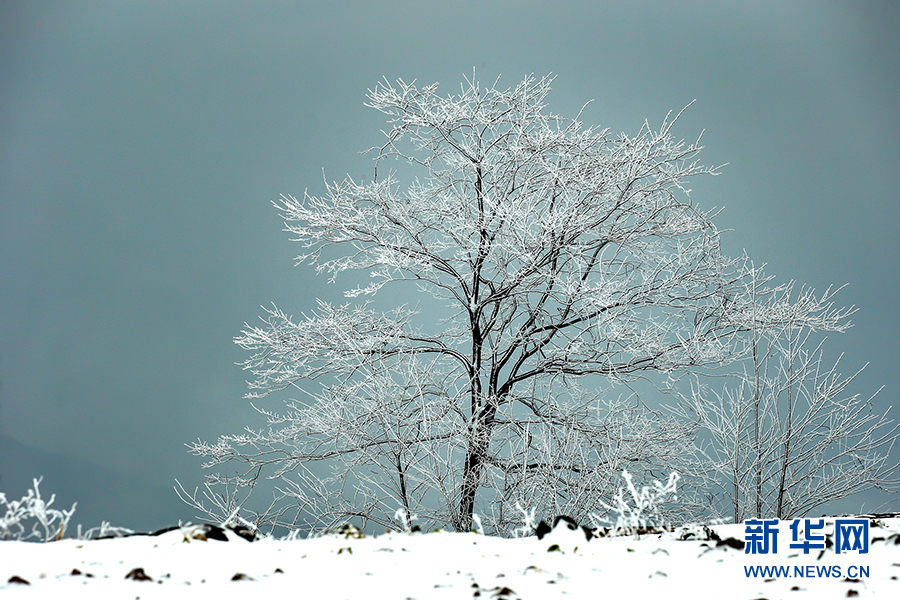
column 137, row 574
column 568, row 522
column 731, row 543
column 502, row 593
column 542, row 529
column 214, row 532
column 245, row 532
column 18, row 580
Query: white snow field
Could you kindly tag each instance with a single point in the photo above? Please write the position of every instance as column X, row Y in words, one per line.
column 185, row 563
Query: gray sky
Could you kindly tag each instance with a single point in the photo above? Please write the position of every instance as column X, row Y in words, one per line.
column 142, row 143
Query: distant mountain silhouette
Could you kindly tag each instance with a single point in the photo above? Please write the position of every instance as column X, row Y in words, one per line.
column 102, row 494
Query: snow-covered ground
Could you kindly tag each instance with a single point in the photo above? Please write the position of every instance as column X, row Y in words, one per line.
column 182, row 564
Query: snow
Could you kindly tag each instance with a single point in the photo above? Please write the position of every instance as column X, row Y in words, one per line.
column 183, row 564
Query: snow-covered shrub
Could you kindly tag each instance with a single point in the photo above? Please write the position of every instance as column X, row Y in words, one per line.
column 645, row 511
column 405, row 520
column 528, row 522
column 50, row 524
column 477, row 527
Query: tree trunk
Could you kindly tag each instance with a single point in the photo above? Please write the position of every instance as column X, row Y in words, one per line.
column 479, row 442
column 756, row 416
column 788, row 434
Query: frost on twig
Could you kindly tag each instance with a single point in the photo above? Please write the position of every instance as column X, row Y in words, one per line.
column 644, row 511
column 50, row 523
column 528, row 522
column 225, row 507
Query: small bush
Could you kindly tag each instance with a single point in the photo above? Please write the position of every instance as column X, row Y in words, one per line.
column 49, row 523
column 645, row 511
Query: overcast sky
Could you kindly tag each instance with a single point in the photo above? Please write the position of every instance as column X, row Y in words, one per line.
column 141, row 145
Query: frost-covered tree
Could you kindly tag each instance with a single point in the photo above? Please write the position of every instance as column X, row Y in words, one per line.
column 564, row 259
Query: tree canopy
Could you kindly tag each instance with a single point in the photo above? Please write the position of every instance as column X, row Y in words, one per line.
column 569, row 259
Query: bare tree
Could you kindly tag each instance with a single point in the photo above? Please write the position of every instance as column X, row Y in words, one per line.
column 567, row 256
column 788, row 437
